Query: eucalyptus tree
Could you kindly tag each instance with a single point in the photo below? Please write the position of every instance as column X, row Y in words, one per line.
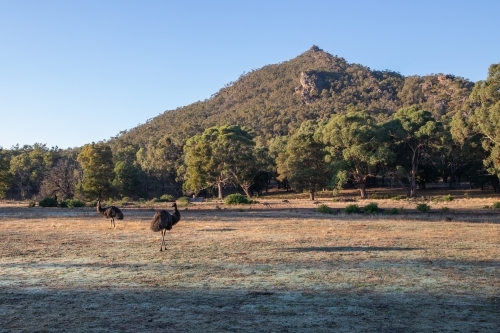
column 96, row 160
column 5, row 174
column 28, row 165
column 302, row 161
column 414, row 133
column 356, row 146
column 218, row 157
column 485, row 117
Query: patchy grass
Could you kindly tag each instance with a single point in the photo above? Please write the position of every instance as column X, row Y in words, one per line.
column 288, row 268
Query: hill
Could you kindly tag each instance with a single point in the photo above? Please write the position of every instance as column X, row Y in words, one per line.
column 275, row 99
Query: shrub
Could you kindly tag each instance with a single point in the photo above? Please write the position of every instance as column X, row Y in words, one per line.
column 183, row 201
column 423, row 208
column 48, row 202
column 64, row 203
column 165, row 198
column 75, row 203
column 496, row 205
column 371, row 208
column 352, row 209
column 448, row 197
column 324, row 209
column 236, row 199
column 398, row 197
column 32, row 203
column 436, row 200
column 445, row 209
column 393, row 211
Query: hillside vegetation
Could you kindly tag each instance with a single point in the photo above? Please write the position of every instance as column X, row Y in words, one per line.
column 275, row 99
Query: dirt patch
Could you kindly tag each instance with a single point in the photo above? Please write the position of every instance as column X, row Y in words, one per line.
column 246, row 270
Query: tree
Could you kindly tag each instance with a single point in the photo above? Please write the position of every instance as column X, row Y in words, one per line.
column 160, row 160
column 59, row 181
column 303, row 160
column 414, row 133
column 5, row 175
column 127, row 179
column 28, row 165
column 220, row 156
column 356, row 146
column 485, row 118
column 96, row 160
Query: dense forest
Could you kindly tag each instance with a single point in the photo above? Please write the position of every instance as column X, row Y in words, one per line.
column 312, row 123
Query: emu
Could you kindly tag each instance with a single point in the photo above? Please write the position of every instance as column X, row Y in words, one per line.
column 109, row 212
column 163, row 221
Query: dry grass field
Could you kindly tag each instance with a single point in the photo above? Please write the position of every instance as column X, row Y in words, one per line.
column 283, row 268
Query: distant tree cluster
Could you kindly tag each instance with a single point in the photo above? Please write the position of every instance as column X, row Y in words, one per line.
column 332, row 126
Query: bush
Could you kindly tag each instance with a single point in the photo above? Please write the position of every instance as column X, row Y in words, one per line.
column 48, row 202
column 32, row 203
column 183, row 201
column 236, row 199
column 448, row 197
column 352, row 209
column 393, row 211
column 445, row 209
column 63, row 204
column 75, row 203
column 324, row 209
column 423, row 208
column 496, row 205
column 371, row 208
column 165, row 198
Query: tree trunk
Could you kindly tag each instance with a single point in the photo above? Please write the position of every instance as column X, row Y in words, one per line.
column 311, row 194
column 362, row 190
column 219, row 190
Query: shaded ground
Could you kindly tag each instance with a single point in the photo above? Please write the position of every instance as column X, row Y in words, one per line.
column 285, row 269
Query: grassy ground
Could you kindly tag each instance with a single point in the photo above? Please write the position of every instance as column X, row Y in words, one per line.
column 275, row 268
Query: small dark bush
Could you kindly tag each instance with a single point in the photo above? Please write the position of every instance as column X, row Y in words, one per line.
column 352, row 209
column 63, row 204
column 371, row 208
column 236, row 199
column 393, row 211
column 423, row 208
column 496, row 205
column 324, row 209
column 48, row 202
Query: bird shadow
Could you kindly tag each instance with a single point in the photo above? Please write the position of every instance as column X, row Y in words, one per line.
column 350, row 249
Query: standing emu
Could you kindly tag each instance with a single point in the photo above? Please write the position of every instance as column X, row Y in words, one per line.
column 163, row 221
column 109, row 212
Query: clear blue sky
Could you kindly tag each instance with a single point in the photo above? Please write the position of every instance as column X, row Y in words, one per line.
column 73, row 72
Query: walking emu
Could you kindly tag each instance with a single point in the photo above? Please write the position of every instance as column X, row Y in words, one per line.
column 163, row 221
column 109, row 212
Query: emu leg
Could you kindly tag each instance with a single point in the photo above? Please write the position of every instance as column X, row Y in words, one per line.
column 162, row 240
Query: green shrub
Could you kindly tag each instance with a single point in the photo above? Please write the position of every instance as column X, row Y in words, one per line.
column 371, row 208
column 165, row 198
column 496, row 205
column 393, row 211
column 63, row 204
column 324, row 209
column 398, row 197
column 183, row 201
column 423, row 208
column 32, row 203
column 448, row 197
column 48, row 202
column 75, row 203
column 236, row 199
column 352, row 209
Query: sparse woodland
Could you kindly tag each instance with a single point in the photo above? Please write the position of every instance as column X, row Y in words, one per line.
column 315, row 122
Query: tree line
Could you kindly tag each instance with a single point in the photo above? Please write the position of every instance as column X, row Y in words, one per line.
column 410, row 147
